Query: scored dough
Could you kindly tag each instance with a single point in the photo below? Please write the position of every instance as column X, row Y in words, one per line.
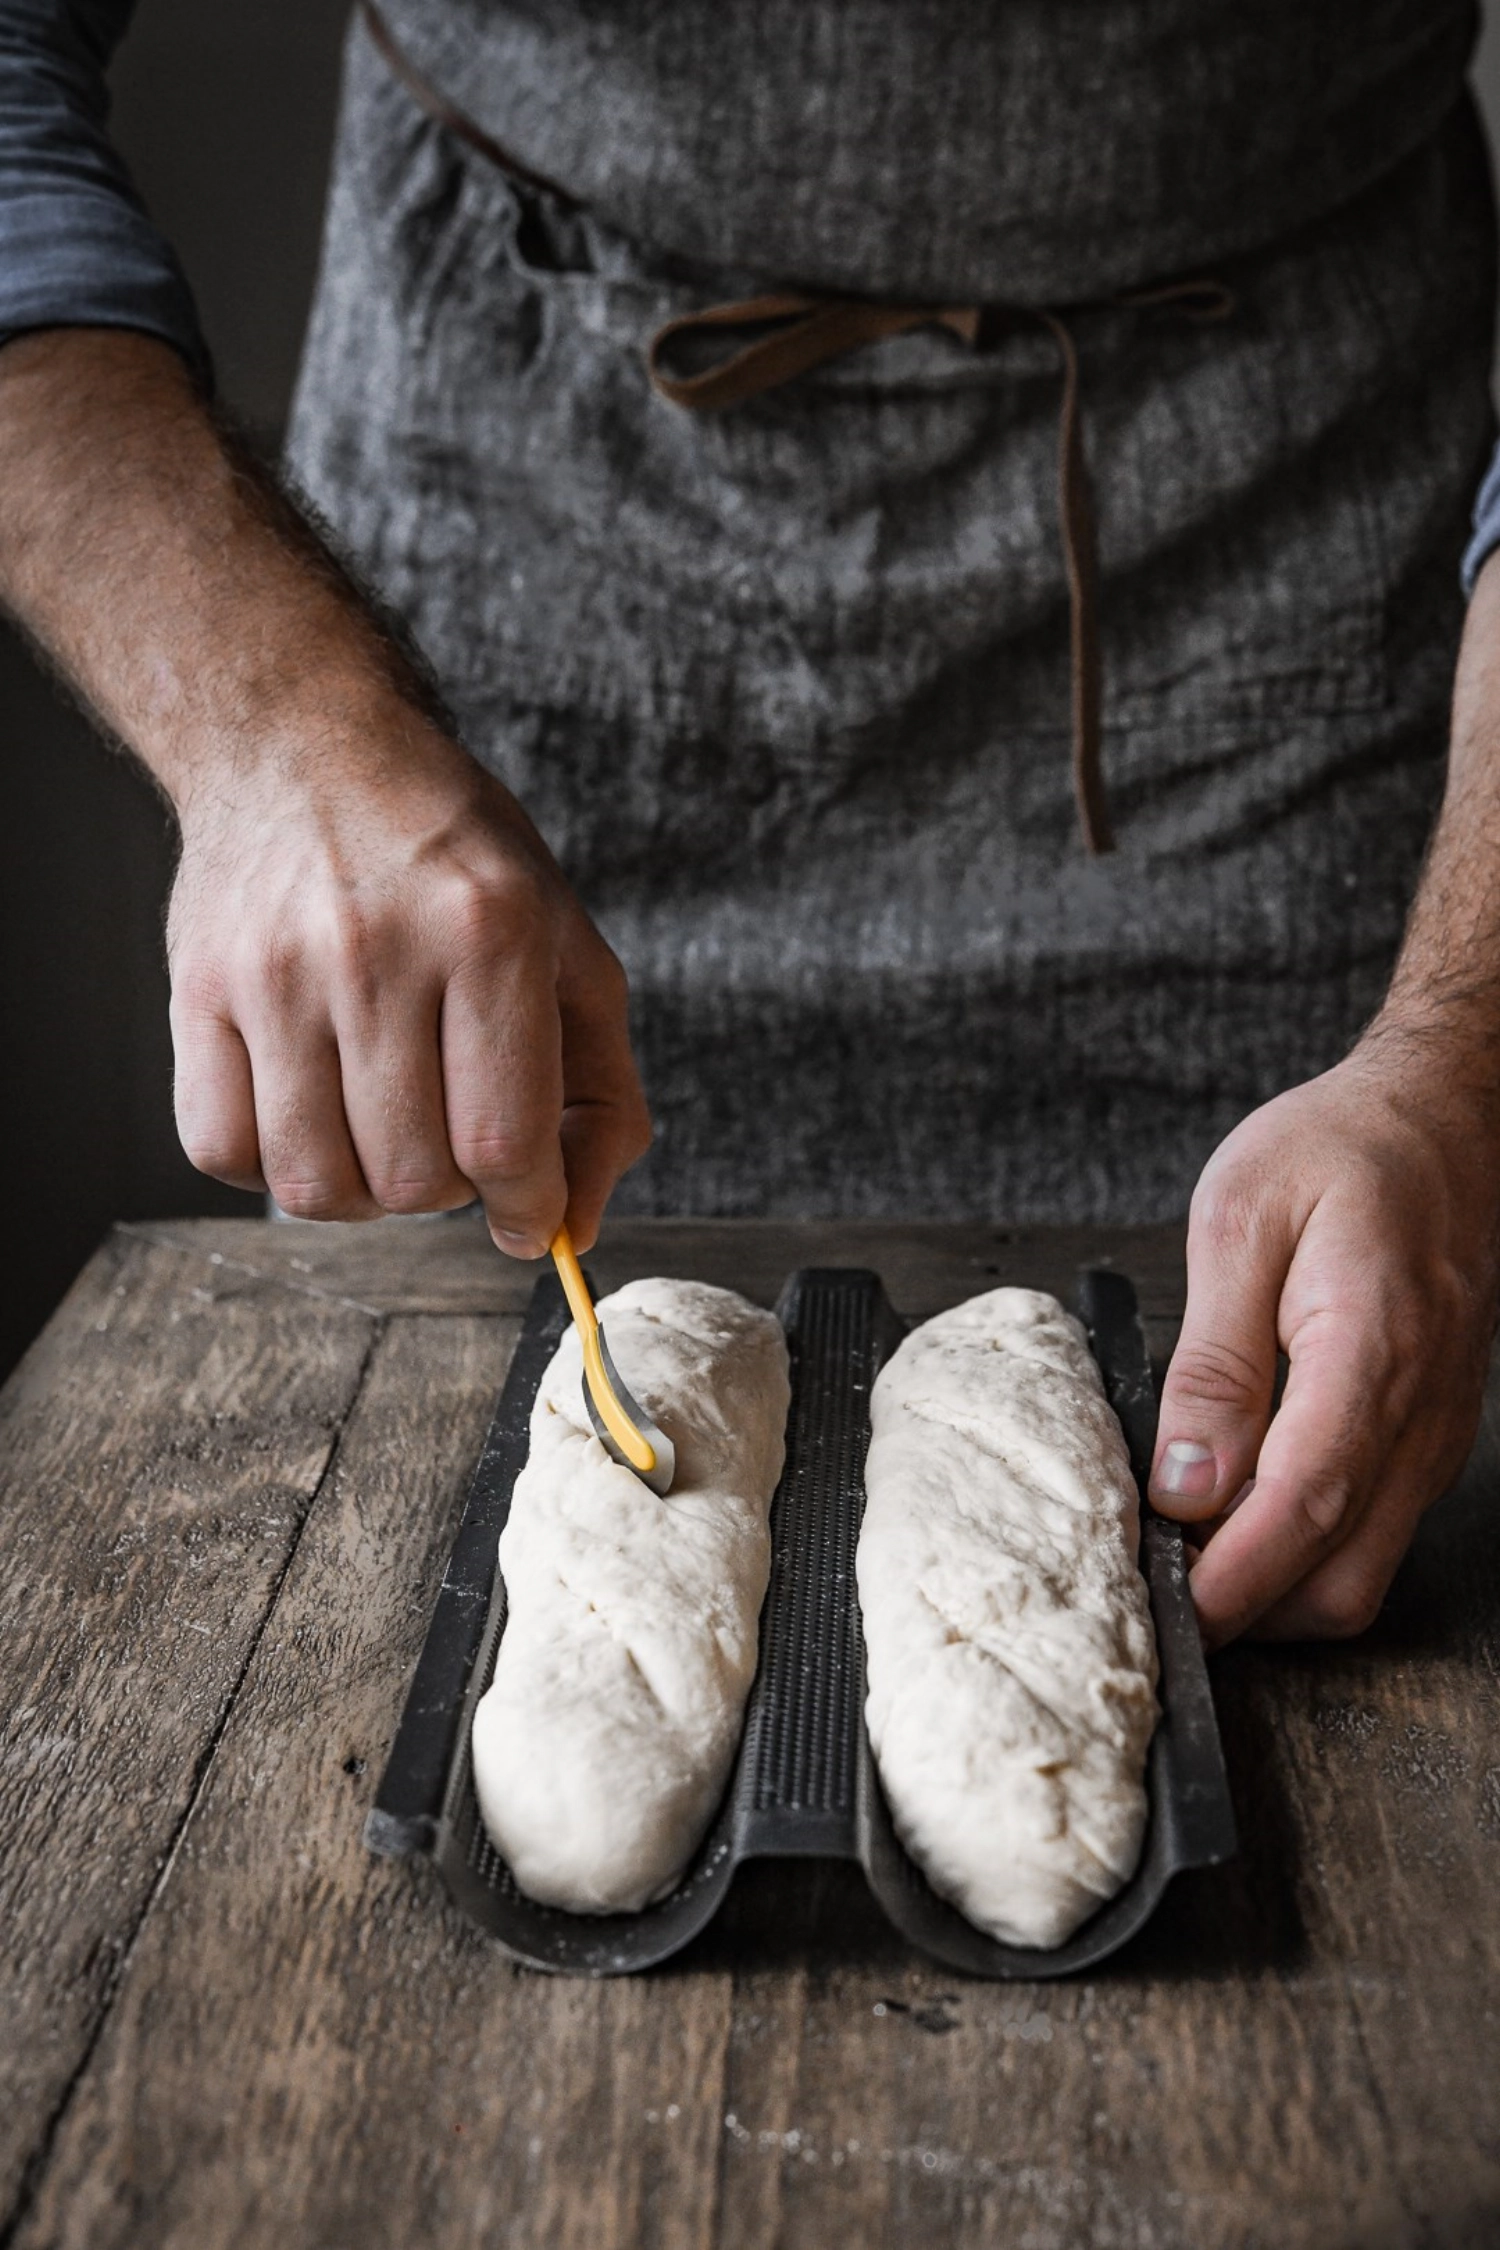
column 1011, row 1660
column 603, row 1744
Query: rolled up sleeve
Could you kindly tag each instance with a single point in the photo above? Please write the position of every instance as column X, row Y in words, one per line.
column 1486, row 533
column 76, row 245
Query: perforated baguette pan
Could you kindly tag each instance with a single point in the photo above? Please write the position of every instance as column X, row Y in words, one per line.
column 804, row 1784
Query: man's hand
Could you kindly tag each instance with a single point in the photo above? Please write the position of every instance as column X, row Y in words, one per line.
column 384, row 996
column 1355, row 1224
column 1352, row 1223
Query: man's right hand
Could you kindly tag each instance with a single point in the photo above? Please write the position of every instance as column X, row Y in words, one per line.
column 385, row 998
column 384, row 995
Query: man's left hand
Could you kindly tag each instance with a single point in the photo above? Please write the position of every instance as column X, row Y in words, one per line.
column 1353, row 1224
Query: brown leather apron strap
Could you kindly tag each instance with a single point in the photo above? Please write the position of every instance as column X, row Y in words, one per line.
column 444, row 112
column 804, row 332
column 797, row 332
column 1080, row 539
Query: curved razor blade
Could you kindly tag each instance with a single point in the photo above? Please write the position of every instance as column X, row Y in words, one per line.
column 660, row 1477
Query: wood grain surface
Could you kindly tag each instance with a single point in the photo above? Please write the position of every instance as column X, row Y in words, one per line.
column 449, row 1265
column 159, row 1448
column 232, row 1468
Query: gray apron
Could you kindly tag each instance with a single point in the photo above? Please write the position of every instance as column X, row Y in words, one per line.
column 786, row 688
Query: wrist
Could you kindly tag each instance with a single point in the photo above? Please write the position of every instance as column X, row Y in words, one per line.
column 342, row 777
column 337, row 733
column 1437, row 1064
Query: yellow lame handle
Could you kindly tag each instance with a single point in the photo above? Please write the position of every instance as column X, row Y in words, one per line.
column 637, row 1451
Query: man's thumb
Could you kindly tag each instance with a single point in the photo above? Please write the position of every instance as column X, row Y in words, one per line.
column 1216, row 1401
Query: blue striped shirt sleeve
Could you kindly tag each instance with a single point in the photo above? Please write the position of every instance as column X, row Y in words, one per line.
column 76, row 245
column 1486, row 534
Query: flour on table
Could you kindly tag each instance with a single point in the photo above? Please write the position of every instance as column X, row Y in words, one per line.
column 604, row 1742
column 1011, row 1659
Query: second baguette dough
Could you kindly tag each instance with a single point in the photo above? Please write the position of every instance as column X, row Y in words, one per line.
column 606, row 1737
column 1012, row 1663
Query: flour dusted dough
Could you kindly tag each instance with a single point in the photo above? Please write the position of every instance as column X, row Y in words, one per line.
column 1012, row 1665
column 606, row 1737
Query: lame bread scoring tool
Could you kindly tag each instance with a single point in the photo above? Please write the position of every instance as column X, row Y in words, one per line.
column 624, row 1429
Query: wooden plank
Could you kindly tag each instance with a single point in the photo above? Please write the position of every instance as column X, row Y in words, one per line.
column 158, row 1449
column 1301, row 2051
column 450, row 1265
column 1394, row 1743
column 310, row 2046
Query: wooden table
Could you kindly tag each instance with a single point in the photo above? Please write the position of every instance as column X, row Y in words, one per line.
column 233, row 1463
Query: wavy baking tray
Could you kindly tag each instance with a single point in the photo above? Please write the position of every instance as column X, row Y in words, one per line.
column 804, row 1784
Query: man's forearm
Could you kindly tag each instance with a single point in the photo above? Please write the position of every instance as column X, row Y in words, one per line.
column 1353, row 1224
column 1445, row 993
column 384, row 995
column 165, row 575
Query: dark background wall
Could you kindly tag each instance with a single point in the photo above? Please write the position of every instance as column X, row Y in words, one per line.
column 224, row 112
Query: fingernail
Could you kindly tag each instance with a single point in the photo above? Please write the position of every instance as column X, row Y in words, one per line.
column 1186, row 1470
column 516, row 1245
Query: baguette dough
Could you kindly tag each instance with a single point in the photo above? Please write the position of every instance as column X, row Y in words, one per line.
column 1011, row 1658
column 604, row 1742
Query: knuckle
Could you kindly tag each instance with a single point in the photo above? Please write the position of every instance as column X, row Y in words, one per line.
column 317, row 1198
column 1213, row 1373
column 637, row 1136
column 413, row 1190
column 1322, row 1508
column 1449, row 1304
column 495, row 913
column 607, row 972
column 1341, row 1611
column 199, row 991
column 595, row 995
column 1225, row 1212
column 1399, row 1380
column 213, row 1139
column 501, row 1158
column 226, row 1160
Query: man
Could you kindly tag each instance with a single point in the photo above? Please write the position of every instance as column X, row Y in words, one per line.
column 785, row 685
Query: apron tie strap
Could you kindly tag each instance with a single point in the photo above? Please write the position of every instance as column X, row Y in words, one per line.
column 803, row 332
column 798, row 332
column 448, row 114
column 1080, row 540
